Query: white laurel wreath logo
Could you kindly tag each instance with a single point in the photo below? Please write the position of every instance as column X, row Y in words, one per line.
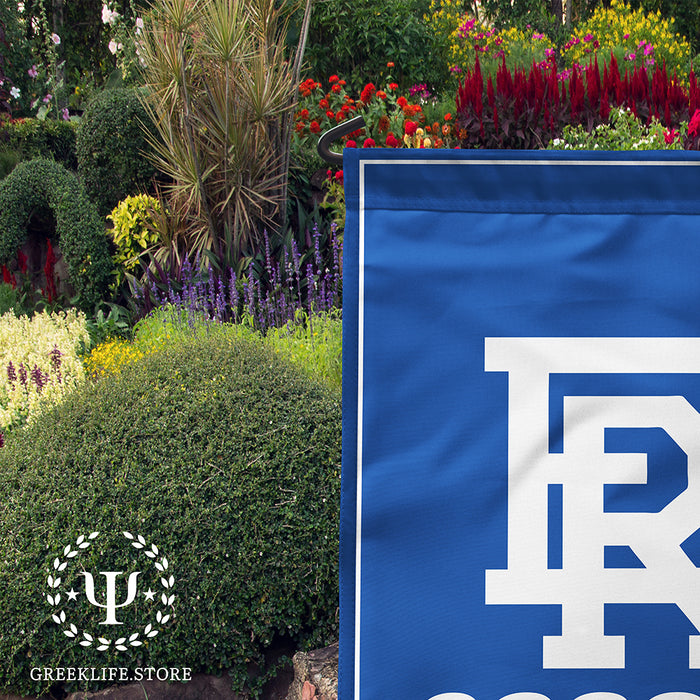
column 122, row 643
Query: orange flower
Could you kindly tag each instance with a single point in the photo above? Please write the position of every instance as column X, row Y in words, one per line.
column 390, row 64
column 323, row 104
column 402, row 101
column 448, row 117
column 381, row 94
column 393, row 86
column 333, row 79
column 336, row 89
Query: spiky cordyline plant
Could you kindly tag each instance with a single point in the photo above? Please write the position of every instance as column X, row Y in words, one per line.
column 220, row 89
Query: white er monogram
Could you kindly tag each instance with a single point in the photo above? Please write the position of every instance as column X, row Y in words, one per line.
column 582, row 586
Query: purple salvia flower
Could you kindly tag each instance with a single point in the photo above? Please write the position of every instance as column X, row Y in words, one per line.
column 233, row 294
column 220, row 300
column 317, row 247
column 39, row 378
column 11, row 374
column 2, row 439
column 22, row 374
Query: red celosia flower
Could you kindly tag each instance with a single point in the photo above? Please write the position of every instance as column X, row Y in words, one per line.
column 369, row 143
column 22, row 261
column 694, row 126
column 367, row 92
column 670, row 136
column 8, row 277
column 350, row 144
column 410, row 127
column 315, row 127
column 391, row 141
column 333, row 79
column 339, row 177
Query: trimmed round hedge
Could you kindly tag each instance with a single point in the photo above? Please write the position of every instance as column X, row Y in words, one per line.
column 111, row 146
column 216, row 451
column 41, row 183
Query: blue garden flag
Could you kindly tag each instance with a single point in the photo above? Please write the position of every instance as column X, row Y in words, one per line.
column 521, row 426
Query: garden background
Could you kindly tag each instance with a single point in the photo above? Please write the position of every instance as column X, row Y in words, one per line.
column 171, row 299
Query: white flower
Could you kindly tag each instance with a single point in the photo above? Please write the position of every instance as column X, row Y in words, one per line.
column 56, row 39
column 109, row 16
column 114, row 47
column 20, row 7
column 15, row 92
column 139, row 23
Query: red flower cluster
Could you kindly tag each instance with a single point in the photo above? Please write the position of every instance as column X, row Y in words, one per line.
column 527, row 109
column 367, row 92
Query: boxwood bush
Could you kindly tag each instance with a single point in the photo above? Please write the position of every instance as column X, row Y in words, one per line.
column 111, row 146
column 225, row 458
column 39, row 185
column 34, row 138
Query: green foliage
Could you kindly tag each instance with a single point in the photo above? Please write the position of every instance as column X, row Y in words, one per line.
column 356, row 39
column 133, row 230
column 623, row 132
column 112, row 148
column 47, row 138
column 227, row 459
column 39, row 185
column 314, row 343
column 8, row 298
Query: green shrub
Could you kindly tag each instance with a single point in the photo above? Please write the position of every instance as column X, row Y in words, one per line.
column 133, row 231
column 111, row 145
column 356, row 39
column 214, row 450
column 40, row 184
column 48, row 138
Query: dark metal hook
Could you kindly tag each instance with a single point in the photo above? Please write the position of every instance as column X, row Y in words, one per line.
column 342, row 129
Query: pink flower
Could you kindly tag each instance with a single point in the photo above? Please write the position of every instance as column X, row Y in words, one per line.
column 32, row 72
column 47, row 98
column 65, row 114
column 56, row 39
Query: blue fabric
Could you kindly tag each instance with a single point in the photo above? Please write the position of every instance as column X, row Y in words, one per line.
column 445, row 255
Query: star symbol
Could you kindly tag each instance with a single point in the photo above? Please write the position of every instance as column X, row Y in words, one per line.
column 149, row 594
column 72, row 595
